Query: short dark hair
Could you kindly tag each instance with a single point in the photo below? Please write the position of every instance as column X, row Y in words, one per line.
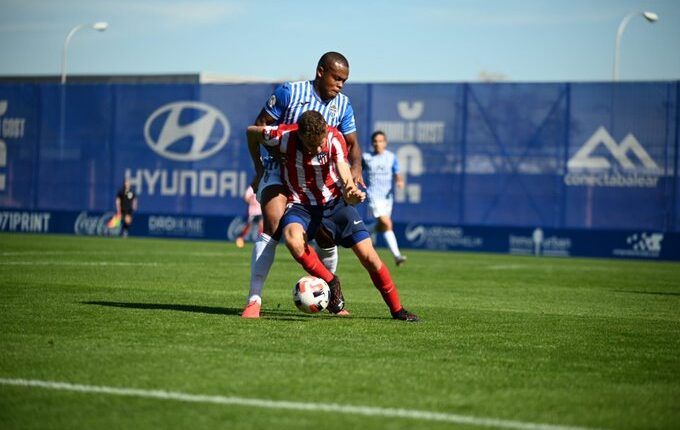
column 376, row 134
column 329, row 58
column 312, row 124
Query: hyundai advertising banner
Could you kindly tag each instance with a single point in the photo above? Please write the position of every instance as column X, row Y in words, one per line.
column 555, row 156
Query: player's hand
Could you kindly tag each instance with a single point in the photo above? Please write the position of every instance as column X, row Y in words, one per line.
column 354, row 196
column 357, row 175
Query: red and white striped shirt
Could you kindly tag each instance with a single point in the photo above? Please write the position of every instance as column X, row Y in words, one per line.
column 311, row 179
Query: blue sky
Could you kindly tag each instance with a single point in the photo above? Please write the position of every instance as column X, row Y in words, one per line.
column 385, row 41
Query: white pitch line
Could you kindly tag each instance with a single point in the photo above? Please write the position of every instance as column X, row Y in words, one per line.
column 280, row 404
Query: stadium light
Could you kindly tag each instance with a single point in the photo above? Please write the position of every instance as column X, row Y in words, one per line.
column 651, row 17
column 99, row 26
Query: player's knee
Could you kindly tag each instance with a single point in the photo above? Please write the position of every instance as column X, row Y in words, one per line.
column 294, row 238
column 388, row 224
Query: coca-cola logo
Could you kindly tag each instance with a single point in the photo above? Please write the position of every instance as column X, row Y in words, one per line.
column 95, row 225
column 235, row 228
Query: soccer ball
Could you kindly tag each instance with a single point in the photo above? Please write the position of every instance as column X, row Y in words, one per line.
column 311, row 294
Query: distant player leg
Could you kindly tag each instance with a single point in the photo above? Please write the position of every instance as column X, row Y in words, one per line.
column 241, row 239
column 382, row 211
column 126, row 222
column 391, row 239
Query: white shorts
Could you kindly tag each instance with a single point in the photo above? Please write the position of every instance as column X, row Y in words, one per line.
column 382, row 207
column 271, row 176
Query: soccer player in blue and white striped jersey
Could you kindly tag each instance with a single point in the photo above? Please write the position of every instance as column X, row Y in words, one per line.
column 382, row 169
column 285, row 106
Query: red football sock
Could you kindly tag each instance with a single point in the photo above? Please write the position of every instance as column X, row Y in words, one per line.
column 383, row 282
column 311, row 263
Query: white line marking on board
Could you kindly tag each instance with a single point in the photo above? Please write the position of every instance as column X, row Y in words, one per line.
column 282, row 404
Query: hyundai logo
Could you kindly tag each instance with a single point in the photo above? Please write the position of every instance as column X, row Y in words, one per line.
column 186, row 131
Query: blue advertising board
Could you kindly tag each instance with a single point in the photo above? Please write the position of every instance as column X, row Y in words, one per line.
column 640, row 244
column 562, row 157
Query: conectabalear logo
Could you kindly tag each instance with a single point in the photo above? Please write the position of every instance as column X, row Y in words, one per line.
column 601, row 161
column 186, row 131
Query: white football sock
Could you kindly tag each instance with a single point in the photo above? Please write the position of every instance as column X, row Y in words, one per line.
column 329, row 257
column 391, row 240
column 261, row 261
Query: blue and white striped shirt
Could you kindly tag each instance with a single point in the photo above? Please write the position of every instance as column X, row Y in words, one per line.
column 292, row 99
column 380, row 170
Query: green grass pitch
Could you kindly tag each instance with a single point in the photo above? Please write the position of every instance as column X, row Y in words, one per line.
column 505, row 341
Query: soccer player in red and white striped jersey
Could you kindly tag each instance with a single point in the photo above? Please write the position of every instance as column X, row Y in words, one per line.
column 311, row 178
column 321, row 193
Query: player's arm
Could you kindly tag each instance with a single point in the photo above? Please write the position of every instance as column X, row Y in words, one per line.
column 255, row 138
column 399, row 180
column 268, row 115
column 349, row 130
column 351, row 193
column 355, row 158
column 134, row 204
column 254, row 149
column 264, row 118
column 117, row 205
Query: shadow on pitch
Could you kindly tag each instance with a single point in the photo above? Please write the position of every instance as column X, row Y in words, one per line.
column 272, row 314
column 653, row 293
column 169, row 307
column 213, row 310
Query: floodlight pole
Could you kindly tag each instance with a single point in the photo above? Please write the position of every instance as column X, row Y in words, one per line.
column 651, row 17
column 99, row 26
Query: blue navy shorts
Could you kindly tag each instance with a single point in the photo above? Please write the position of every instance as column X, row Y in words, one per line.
column 341, row 220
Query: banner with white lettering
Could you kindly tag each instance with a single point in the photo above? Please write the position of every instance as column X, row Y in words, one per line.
column 553, row 155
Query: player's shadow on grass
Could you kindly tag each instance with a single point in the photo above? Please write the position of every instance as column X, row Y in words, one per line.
column 214, row 310
column 653, row 293
column 169, row 307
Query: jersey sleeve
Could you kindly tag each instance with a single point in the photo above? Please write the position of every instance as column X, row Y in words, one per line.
column 395, row 165
column 347, row 123
column 278, row 101
column 272, row 135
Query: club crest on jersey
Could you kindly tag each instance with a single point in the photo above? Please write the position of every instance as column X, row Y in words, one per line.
column 272, row 101
column 322, row 157
column 333, row 110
